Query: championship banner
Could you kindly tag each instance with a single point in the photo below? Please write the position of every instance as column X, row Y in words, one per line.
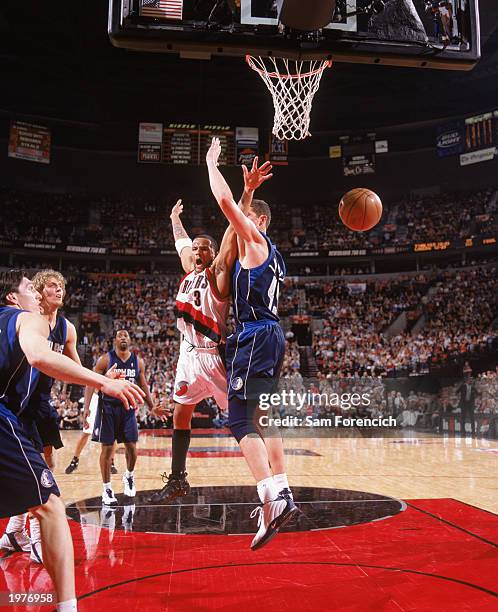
column 29, row 142
column 247, row 144
column 150, row 139
column 450, row 139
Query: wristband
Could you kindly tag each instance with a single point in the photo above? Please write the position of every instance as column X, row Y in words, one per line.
column 182, row 243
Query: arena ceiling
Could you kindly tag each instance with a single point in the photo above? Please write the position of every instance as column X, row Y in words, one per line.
column 56, row 62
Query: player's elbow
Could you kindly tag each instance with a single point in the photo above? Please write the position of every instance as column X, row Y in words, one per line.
column 35, row 360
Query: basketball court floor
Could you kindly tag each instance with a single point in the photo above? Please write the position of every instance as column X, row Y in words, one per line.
column 408, row 522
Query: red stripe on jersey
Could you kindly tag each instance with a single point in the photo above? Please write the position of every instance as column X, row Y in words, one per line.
column 198, row 316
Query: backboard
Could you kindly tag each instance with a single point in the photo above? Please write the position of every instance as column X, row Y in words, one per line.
column 419, row 33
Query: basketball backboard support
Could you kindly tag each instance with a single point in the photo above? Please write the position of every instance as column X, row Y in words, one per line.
column 419, row 33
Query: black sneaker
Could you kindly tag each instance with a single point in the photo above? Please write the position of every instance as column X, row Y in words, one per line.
column 72, row 466
column 114, row 469
column 176, row 486
column 286, row 494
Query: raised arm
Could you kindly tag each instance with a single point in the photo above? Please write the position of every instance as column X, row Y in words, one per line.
column 183, row 243
column 222, row 265
column 245, row 229
column 253, row 179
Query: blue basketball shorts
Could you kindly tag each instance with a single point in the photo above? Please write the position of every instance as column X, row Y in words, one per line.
column 114, row 423
column 254, row 357
column 254, row 354
column 27, row 482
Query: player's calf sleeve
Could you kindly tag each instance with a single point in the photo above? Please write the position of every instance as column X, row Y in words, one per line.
column 241, row 419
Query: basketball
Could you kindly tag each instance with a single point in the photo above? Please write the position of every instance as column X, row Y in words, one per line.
column 360, row 209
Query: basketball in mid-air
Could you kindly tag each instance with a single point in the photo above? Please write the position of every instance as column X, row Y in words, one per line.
column 360, row 209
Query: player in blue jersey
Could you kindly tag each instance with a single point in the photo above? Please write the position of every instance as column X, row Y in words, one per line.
column 63, row 339
column 40, row 419
column 27, row 482
column 115, row 424
column 255, row 352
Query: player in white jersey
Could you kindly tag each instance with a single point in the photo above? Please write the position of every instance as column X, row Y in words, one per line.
column 202, row 307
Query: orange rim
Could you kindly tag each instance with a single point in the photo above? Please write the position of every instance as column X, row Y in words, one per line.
column 274, row 75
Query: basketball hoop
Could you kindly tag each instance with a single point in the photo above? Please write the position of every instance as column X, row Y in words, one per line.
column 292, row 84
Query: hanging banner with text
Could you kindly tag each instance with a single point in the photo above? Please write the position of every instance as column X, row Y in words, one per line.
column 247, row 141
column 29, row 142
column 358, row 154
column 150, row 139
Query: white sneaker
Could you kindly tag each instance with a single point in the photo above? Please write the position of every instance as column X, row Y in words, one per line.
column 16, row 541
column 36, row 552
column 108, row 498
column 129, row 486
column 272, row 516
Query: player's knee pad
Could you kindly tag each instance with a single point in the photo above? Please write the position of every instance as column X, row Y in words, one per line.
column 241, row 419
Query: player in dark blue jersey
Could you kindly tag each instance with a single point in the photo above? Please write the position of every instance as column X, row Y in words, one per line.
column 27, row 483
column 115, row 424
column 51, row 285
column 63, row 339
column 255, row 352
column 40, row 419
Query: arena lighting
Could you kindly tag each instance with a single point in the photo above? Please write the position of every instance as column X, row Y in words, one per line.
column 309, row 16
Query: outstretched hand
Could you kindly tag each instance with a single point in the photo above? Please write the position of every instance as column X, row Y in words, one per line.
column 256, row 176
column 177, row 210
column 129, row 393
column 214, row 151
column 161, row 412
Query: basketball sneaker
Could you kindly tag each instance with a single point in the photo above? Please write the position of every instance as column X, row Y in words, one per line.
column 72, row 466
column 36, row 552
column 176, row 486
column 108, row 498
column 272, row 516
column 129, row 486
column 287, row 494
column 16, row 541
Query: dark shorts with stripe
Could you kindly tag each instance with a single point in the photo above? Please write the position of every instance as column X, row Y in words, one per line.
column 27, row 482
column 41, row 423
column 114, row 423
column 254, row 358
column 47, row 423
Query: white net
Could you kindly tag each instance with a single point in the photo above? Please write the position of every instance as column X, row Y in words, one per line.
column 293, row 84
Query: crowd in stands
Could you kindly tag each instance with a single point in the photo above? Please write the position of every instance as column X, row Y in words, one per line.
column 125, row 222
column 352, row 340
column 458, row 311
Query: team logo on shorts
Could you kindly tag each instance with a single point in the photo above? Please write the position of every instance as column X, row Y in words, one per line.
column 47, row 479
column 237, row 383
